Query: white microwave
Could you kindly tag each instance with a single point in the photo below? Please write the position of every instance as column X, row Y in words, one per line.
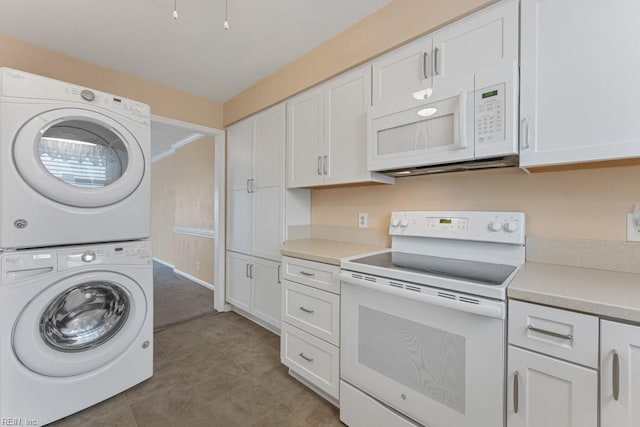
column 470, row 120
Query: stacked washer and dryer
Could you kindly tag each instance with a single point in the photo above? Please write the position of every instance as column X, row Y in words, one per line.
column 76, row 274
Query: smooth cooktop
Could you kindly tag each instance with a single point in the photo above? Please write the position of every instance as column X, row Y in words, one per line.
column 480, row 272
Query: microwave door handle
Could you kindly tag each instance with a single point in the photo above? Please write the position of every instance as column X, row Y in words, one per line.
column 462, row 120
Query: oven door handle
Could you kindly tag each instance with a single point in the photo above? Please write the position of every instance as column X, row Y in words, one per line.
column 488, row 309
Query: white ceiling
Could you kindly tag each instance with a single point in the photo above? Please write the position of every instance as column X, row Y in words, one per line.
column 192, row 53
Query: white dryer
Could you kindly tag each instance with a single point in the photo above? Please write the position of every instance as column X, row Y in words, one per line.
column 76, row 327
column 74, row 164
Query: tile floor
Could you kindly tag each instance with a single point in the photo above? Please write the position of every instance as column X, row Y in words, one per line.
column 217, row 370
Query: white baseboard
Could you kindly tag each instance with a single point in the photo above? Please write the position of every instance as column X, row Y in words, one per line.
column 194, row 279
column 165, row 263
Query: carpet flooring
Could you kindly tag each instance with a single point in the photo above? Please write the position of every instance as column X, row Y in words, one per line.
column 217, row 370
column 177, row 299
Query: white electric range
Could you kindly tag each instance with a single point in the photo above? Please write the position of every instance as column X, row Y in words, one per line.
column 423, row 324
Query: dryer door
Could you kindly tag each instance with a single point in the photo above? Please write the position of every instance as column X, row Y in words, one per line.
column 79, row 157
column 80, row 323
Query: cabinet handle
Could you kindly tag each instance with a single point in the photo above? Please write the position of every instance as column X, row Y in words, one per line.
column 425, row 56
column 319, row 165
column 524, row 139
column 616, row 375
column 279, row 273
column 568, row 337
column 516, row 397
column 252, row 183
column 304, row 273
column 306, row 310
column 435, row 62
column 246, row 271
column 324, row 165
column 251, row 271
column 308, row 359
column 248, row 188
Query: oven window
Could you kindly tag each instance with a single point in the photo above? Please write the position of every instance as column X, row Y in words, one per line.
column 428, row 360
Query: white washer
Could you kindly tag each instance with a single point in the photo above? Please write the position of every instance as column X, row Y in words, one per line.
column 74, row 164
column 76, row 327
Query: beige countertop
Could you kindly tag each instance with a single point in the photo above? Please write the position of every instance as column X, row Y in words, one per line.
column 605, row 293
column 326, row 251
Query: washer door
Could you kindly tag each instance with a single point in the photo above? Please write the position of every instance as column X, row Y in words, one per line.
column 79, row 324
column 79, row 158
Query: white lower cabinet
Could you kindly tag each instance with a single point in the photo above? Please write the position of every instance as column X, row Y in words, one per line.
column 547, row 384
column 254, row 286
column 310, row 338
column 619, row 374
column 544, row 391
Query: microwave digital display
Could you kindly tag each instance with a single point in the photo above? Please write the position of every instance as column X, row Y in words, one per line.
column 489, row 94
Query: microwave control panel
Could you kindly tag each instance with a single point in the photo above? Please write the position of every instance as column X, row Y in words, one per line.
column 490, row 114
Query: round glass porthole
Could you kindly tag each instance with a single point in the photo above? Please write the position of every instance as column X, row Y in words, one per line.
column 83, row 153
column 85, row 316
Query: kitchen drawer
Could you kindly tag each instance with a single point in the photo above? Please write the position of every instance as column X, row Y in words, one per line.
column 313, row 359
column 312, row 310
column 316, row 274
column 560, row 333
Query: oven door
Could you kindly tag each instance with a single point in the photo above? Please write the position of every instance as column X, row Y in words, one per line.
column 437, row 360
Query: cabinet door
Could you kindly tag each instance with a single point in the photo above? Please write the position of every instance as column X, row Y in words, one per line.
column 400, row 73
column 238, row 280
column 267, row 292
column 239, row 229
column 239, row 142
column 347, row 100
column 485, row 40
column 619, row 374
column 579, row 81
column 549, row 392
column 268, row 230
column 304, row 136
column 269, row 142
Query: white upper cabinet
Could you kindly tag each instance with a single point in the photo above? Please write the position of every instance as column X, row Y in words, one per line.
column 304, row 139
column 256, row 178
column 579, row 81
column 619, row 374
column 400, row 73
column 326, row 133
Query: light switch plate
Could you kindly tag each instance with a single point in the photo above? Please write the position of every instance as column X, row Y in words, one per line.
column 633, row 230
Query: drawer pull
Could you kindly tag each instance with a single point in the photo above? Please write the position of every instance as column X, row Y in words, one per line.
column 304, row 273
column 550, row 333
column 306, row 310
column 308, row 359
column 616, row 375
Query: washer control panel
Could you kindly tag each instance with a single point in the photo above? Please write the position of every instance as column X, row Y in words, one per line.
column 499, row 227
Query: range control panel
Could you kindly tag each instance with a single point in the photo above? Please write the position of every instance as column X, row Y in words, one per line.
column 498, row 227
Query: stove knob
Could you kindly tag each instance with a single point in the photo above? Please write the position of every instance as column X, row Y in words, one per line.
column 511, row 226
column 495, row 225
column 404, row 223
column 395, row 222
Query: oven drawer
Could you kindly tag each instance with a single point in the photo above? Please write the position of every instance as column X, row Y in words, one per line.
column 560, row 333
column 312, row 310
column 316, row 274
column 312, row 358
column 360, row 410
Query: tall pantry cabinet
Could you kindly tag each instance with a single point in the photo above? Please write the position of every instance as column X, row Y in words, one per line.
column 256, row 214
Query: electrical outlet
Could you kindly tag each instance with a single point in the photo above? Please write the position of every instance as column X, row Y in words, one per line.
column 198, row 265
column 362, row 220
column 633, row 230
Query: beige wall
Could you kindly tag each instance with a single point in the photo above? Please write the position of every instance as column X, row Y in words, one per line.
column 583, row 204
column 164, row 101
column 182, row 190
column 390, row 26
